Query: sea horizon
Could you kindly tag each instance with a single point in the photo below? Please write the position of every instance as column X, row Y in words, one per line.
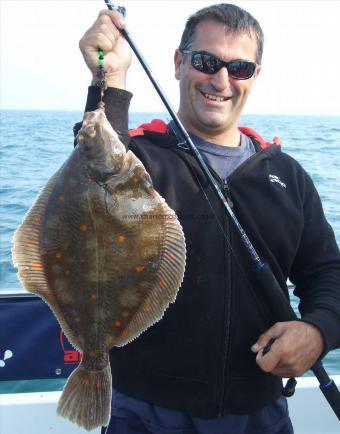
column 137, row 112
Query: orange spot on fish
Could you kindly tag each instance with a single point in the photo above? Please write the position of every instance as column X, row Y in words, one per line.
column 77, row 318
column 135, row 180
column 117, row 323
column 37, row 221
column 93, row 297
column 147, row 305
column 83, row 228
column 36, row 266
column 121, row 238
column 86, row 381
column 82, row 259
column 58, row 255
column 123, row 334
column 140, row 269
column 61, row 198
column 162, row 282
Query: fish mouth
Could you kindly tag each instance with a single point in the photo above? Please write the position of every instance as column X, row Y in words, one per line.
column 91, row 122
column 87, row 131
column 95, row 126
column 90, row 130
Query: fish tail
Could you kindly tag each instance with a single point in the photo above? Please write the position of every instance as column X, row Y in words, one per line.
column 86, row 398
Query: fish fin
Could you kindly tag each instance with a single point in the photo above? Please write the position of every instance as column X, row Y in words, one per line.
column 86, row 398
column 27, row 246
column 166, row 281
column 27, row 256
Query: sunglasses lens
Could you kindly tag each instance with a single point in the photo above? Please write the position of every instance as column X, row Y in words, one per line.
column 206, row 63
column 241, row 70
column 210, row 64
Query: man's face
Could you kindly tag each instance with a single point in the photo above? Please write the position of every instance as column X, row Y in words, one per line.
column 201, row 115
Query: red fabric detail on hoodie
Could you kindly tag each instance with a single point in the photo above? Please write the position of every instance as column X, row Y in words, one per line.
column 136, row 132
column 252, row 133
column 159, row 126
column 156, row 125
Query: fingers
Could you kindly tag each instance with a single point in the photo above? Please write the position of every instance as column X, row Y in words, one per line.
column 270, row 335
column 295, row 346
column 100, row 37
column 116, row 18
column 273, row 361
column 103, row 33
column 268, row 352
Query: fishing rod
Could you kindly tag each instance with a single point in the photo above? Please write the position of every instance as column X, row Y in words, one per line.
column 272, row 291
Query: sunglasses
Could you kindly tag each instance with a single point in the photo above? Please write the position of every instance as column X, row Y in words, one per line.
column 207, row 63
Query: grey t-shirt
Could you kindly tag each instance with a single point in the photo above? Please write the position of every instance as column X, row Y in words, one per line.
column 223, row 159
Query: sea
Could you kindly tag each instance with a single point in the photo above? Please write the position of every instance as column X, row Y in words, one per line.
column 34, row 144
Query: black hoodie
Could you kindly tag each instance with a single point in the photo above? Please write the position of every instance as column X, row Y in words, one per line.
column 197, row 358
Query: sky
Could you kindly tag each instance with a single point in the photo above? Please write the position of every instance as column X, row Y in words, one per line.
column 42, row 67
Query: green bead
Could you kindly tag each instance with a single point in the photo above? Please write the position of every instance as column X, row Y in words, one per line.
column 101, row 53
column 100, row 62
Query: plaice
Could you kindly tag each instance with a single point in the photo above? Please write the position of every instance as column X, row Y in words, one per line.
column 107, row 254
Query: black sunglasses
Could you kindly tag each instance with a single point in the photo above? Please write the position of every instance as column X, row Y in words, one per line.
column 209, row 64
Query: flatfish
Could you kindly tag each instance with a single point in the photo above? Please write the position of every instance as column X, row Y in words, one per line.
column 106, row 253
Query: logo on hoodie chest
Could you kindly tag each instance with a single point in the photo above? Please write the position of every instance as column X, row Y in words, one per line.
column 275, row 178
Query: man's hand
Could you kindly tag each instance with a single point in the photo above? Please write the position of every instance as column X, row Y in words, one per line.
column 296, row 347
column 105, row 34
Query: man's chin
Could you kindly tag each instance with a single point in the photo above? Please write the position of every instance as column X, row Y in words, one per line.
column 215, row 124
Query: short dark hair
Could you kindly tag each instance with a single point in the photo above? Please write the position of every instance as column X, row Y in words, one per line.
column 236, row 19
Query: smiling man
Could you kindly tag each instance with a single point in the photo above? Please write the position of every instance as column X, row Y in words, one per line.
column 211, row 98
column 202, row 368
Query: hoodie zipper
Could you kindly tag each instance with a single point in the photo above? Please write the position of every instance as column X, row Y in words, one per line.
column 226, row 190
column 224, row 185
column 227, row 316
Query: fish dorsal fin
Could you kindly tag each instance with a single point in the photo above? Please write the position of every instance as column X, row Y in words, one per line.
column 27, row 255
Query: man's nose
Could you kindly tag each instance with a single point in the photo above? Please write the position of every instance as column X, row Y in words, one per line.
column 220, row 80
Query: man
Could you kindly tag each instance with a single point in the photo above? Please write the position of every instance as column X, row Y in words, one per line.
column 201, row 369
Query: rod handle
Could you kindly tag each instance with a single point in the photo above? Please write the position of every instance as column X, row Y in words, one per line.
column 331, row 393
column 289, row 388
column 272, row 292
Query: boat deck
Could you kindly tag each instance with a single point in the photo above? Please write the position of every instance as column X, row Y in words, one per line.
column 35, row 413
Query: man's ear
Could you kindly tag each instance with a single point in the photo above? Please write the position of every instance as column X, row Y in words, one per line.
column 257, row 73
column 258, row 70
column 178, row 61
